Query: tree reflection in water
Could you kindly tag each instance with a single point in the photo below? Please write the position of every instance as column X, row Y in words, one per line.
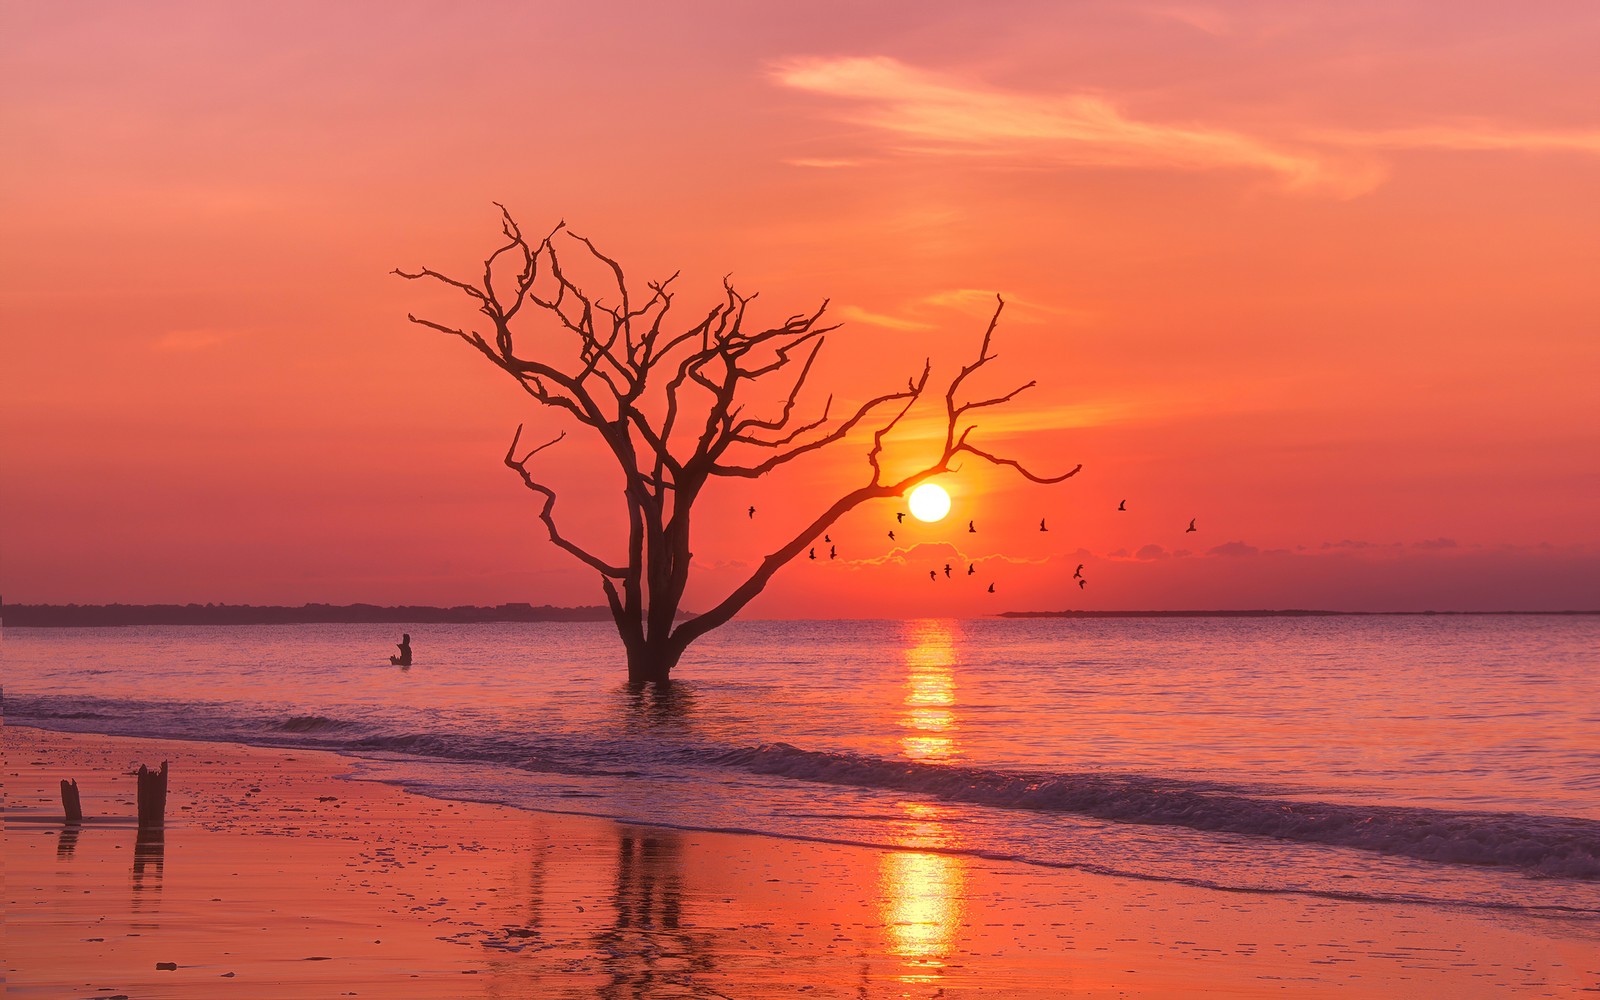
column 149, row 864
column 922, row 894
column 648, row 948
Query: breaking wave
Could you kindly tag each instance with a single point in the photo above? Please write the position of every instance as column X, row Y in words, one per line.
column 1545, row 845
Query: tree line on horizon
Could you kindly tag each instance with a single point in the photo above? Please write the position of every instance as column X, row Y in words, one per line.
column 90, row 615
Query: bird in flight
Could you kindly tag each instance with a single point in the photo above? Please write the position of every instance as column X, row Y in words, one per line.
column 971, row 568
column 1123, row 505
column 1041, row 525
column 833, row 552
column 827, row 538
column 933, row 574
column 947, row 571
column 1082, row 584
column 813, row 553
column 991, row 588
column 1077, row 574
column 1191, row 526
column 891, row 536
column 899, row 516
column 751, row 512
column 971, row 529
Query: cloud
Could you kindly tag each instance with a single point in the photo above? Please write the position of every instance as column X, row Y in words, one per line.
column 980, row 303
column 920, row 552
column 1470, row 136
column 1151, row 551
column 856, row 314
column 1436, row 543
column 977, row 303
column 1233, row 549
column 934, row 114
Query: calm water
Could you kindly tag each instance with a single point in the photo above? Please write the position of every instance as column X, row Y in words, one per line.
column 1448, row 760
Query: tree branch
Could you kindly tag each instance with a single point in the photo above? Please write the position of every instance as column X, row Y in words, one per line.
column 546, row 514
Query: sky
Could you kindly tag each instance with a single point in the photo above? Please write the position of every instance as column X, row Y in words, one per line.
column 1319, row 276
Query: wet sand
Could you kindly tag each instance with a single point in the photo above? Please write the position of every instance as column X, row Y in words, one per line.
column 277, row 876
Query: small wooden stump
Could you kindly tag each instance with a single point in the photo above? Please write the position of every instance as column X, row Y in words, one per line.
column 152, row 797
column 69, row 801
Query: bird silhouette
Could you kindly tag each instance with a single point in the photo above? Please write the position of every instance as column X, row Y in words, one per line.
column 1082, row 584
column 1041, row 525
column 899, row 516
column 813, row 553
column 947, row 571
column 827, row 538
column 1191, row 526
column 991, row 588
column 891, row 536
column 1123, row 505
column 971, row 529
column 971, row 569
column 933, row 574
column 751, row 512
column 833, row 552
column 1077, row 574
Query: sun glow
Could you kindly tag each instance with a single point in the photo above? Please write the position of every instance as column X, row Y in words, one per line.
column 929, row 502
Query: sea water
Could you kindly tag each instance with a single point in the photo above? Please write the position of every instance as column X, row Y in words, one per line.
column 1435, row 760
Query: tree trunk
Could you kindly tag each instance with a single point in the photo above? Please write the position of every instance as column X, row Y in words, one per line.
column 652, row 662
column 70, row 805
column 152, row 797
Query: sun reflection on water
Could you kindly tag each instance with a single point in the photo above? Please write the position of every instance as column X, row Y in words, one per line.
column 922, row 894
column 928, row 720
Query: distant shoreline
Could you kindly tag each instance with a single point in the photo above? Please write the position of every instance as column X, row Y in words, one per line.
column 1264, row 613
column 111, row 615
column 93, row 615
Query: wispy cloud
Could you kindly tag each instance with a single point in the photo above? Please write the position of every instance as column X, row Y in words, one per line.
column 977, row 303
column 980, row 302
column 931, row 113
column 1481, row 136
column 855, row 314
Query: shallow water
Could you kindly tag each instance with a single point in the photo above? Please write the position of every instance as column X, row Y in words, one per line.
column 1442, row 759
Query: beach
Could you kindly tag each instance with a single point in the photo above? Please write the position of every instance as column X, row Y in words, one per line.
column 278, row 875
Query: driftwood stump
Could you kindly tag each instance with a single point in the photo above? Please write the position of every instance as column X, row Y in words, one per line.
column 69, row 801
column 152, row 797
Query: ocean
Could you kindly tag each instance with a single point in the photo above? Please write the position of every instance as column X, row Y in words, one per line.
column 1448, row 761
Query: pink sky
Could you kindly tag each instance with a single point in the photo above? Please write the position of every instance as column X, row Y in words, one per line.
column 1321, row 276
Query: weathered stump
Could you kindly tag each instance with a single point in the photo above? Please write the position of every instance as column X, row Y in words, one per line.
column 152, row 797
column 69, row 801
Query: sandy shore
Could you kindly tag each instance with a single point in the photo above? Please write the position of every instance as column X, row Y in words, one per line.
column 278, row 877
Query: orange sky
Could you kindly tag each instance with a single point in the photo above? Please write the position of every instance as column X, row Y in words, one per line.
column 1321, row 276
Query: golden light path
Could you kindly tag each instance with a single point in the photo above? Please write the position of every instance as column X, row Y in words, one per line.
column 929, row 502
column 923, row 897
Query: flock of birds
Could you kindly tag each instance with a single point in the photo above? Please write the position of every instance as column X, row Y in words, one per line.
column 972, row 528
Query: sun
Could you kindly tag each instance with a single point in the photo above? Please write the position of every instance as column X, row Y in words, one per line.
column 929, row 502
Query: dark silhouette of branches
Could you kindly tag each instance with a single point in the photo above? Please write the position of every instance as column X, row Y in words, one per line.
column 666, row 403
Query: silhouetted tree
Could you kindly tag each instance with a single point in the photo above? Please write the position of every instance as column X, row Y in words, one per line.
column 668, row 408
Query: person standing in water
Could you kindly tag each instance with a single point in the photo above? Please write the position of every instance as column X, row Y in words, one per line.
column 404, row 659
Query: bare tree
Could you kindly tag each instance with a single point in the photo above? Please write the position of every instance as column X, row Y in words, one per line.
column 668, row 407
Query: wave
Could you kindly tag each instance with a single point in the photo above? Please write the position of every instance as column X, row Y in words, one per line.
column 1557, row 846
column 1549, row 846
column 311, row 724
column 47, row 714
